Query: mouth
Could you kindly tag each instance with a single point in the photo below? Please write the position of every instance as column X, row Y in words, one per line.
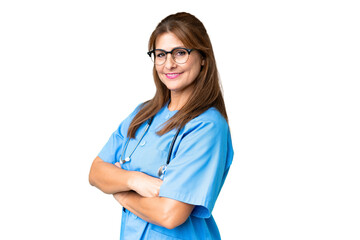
column 172, row 75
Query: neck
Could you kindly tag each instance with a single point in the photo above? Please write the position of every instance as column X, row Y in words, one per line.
column 177, row 101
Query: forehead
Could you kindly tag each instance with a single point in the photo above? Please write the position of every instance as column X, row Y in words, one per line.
column 168, row 41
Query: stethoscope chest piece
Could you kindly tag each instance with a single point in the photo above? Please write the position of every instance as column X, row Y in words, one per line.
column 161, row 171
column 122, row 161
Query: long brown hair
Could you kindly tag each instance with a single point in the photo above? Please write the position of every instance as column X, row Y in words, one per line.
column 207, row 90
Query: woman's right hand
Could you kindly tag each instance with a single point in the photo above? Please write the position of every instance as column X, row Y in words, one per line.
column 144, row 184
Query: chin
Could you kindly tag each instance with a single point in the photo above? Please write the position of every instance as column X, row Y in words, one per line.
column 173, row 89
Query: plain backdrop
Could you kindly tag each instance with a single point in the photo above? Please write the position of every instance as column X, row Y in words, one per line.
column 71, row 71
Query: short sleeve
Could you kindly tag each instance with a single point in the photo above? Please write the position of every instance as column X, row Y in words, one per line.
column 197, row 172
column 111, row 151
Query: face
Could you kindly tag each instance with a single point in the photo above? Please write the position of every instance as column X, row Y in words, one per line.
column 178, row 78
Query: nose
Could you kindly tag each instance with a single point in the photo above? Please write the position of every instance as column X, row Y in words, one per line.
column 169, row 62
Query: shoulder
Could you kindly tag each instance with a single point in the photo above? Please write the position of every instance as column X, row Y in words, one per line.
column 211, row 115
column 135, row 111
column 209, row 121
column 124, row 125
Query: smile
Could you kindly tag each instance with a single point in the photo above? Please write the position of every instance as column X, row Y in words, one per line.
column 172, row 75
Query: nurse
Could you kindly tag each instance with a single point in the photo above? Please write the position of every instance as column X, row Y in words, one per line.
column 168, row 160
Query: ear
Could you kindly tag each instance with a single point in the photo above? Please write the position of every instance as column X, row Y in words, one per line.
column 202, row 62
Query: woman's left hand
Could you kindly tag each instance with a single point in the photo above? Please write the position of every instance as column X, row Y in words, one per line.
column 143, row 184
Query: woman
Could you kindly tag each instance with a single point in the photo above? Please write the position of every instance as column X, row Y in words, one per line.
column 167, row 162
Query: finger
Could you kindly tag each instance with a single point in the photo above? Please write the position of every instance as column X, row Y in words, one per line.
column 117, row 164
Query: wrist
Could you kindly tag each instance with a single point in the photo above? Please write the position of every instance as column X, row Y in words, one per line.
column 131, row 180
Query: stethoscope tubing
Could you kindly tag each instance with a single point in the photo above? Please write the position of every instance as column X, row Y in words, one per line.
column 128, row 140
column 122, row 161
column 172, row 146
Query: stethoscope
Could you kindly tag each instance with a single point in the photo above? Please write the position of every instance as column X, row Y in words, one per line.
column 162, row 169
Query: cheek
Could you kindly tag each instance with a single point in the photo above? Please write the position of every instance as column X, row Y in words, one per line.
column 195, row 71
column 195, row 67
column 158, row 69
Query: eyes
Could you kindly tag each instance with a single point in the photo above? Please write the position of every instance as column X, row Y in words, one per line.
column 177, row 52
column 160, row 54
column 180, row 55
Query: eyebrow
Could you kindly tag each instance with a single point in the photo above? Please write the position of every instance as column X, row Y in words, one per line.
column 171, row 49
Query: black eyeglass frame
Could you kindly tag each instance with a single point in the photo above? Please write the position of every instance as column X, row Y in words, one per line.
column 171, row 52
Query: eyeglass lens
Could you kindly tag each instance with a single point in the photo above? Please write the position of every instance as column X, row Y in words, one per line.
column 179, row 55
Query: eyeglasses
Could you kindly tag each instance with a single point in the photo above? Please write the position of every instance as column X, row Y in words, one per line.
column 180, row 55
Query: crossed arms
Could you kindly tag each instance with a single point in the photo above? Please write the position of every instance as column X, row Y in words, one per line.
column 139, row 193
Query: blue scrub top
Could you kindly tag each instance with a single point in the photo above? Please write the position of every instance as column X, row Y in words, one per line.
column 200, row 161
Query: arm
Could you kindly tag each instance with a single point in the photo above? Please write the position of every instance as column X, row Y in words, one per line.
column 108, row 178
column 161, row 211
column 112, row 179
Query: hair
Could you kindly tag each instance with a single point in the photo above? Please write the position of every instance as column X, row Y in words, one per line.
column 207, row 88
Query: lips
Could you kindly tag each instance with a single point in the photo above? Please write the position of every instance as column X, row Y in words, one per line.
column 172, row 75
